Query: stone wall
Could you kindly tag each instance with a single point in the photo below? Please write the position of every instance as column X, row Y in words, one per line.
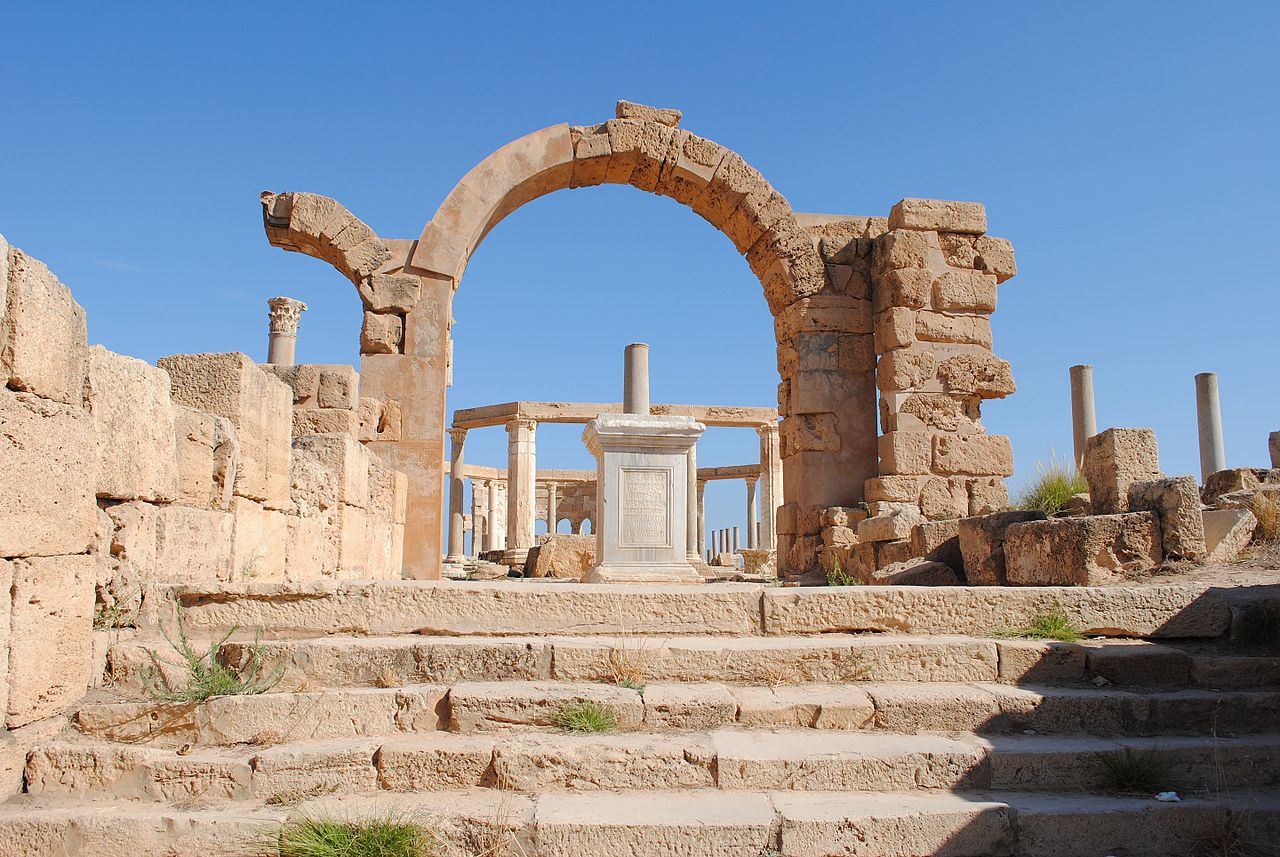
column 116, row 474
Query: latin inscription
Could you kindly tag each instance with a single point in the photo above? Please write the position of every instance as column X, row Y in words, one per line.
column 646, row 504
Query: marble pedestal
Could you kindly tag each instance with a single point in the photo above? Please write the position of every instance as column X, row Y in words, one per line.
column 641, row 498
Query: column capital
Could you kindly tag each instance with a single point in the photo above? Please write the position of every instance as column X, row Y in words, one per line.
column 767, row 430
column 285, row 313
column 457, row 435
column 526, row 423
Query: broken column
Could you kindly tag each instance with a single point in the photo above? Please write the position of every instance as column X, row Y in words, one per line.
column 642, row 484
column 1084, row 419
column 1213, row 456
column 285, row 313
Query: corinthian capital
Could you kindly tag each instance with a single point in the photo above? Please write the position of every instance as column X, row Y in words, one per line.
column 285, row 314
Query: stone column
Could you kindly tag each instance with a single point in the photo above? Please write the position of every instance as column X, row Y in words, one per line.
column 635, row 379
column 521, row 489
column 751, row 513
column 1084, row 420
column 702, row 513
column 553, row 505
column 770, row 486
column 691, row 539
column 735, row 541
column 283, row 338
column 457, row 524
column 483, row 538
column 496, row 525
column 1213, row 456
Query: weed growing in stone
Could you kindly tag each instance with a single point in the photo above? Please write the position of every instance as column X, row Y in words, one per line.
column 627, row 664
column 1053, row 625
column 586, row 717
column 1053, row 486
column 389, row 836
column 1144, row 772
column 205, row 675
column 837, row 577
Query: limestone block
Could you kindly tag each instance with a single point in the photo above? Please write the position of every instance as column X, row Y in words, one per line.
column 824, row 313
column 809, row 433
column 1227, row 532
column 564, row 556
column 379, row 540
column 132, row 544
column 51, row 642
column 965, row 291
column 194, row 545
column 1115, row 458
column 839, row 536
column 939, row 214
column 817, row 392
column 258, row 542
column 343, row 456
column 207, row 455
column 379, row 420
column 959, row 329
column 932, row 412
column 1083, row 551
column 987, row 494
column 905, row 453
column 339, row 387
column 1176, row 503
column 938, row 541
column 894, row 489
column 982, row 545
column 47, row 462
column 904, row 368
column 906, row 288
column 1234, row 481
column 390, row 293
column 915, row 572
column 842, row 516
column 43, row 346
column 257, row 403
column 591, row 152
column 895, row 328
column 894, row 552
column 668, row 116
column 995, row 255
column 688, row 706
column 890, row 527
column 133, row 423
column 303, row 379
column 351, row 528
column 381, row 334
column 325, row 421
column 983, row 375
column 942, row 498
column 902, row 248
column 308, row 553
column 973, row 454
column 959, row 251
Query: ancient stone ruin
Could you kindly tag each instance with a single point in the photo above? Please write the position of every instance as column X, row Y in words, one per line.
column 234, row 598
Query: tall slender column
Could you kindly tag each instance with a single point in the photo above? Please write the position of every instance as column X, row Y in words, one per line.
column 770, row 485
column 1084, row 420
column 285, row 313
column 702, row 513
column 1213, row 455
column 497, row 525
column 735, row 540
column 457, row 524
column 693, row 551
column 553, row 507
column 635, row 379
column 483, row 538
column 521, row 475
column 751, row 512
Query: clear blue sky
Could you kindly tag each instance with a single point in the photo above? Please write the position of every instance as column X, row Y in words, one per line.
column 1131, row 152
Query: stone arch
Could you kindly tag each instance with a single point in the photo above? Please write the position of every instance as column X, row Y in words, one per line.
column 814, row 272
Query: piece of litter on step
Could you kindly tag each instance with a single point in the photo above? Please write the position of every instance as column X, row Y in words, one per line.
column 1099, row 681
column 1169, row 797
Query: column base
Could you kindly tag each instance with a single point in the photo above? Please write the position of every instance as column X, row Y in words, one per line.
column 515, row 556
column 675, row 572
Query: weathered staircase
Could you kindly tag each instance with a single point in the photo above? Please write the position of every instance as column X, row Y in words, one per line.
column 751, row 721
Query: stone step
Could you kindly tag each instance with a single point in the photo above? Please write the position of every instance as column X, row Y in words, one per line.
column 514, row 607
column 686, row 823
column 531, row 760
column 342, row 661
column 906, row 707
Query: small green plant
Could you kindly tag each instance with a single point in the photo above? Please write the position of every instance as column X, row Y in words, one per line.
column 585, row 716
column 1053, row 625
column 112, row 612
column 837, row 577
column 1053, row 486
column 1144, row 772
column 206, row 675
column 389, row 836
